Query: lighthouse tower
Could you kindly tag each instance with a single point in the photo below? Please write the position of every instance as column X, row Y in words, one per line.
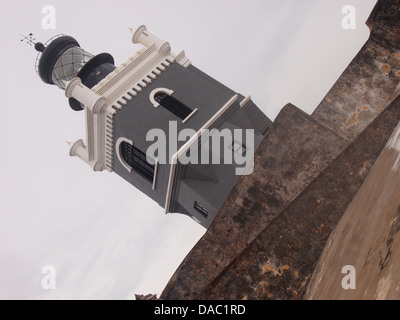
column 127, row 108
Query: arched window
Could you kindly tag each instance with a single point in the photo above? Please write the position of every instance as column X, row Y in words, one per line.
column 164, row 98
column 136, row 160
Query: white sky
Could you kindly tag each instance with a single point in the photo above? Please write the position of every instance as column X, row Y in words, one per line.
column 105, row 239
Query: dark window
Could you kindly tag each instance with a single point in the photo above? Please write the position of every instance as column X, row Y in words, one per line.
column 200, row 209
column 136, row 159
column 173, row 105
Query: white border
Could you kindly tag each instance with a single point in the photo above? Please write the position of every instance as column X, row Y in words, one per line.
column 245, row 101
column 155, row 174
column 190, row 115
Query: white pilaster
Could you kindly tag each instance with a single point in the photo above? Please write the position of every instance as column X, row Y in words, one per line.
column 94, row 151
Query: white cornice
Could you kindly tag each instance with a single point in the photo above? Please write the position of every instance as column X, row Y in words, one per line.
column 129, row 79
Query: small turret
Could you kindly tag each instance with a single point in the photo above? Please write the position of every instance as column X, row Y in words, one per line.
column 62, row 59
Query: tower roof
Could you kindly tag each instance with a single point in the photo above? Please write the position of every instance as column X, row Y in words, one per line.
column 50, row 55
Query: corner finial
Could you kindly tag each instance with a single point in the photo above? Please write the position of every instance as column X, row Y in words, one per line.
column 40, row 47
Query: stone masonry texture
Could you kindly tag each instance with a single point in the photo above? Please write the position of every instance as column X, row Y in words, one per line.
column 271, row 231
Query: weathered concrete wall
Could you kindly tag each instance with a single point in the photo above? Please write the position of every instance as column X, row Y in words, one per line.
column 226, row 261
column 367, row 238
column 292, row 155
column 372, row 79
column 281, row 260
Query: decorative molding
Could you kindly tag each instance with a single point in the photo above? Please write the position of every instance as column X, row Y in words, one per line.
column 146, row 38
column 119, row 155
column 155, row 91
column 71, row 86
column 137, row 33
column 170, row 93
column 90, row 99
column 183, row 60
column 114, row 92
column 109, row 143
column 245, row 101
column 129, row 79
column 94, row 152
column 155, row 175
column 100, row 106
column 190, row 115
column 75, row 146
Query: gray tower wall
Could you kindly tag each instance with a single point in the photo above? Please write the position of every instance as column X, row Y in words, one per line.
column 196, row 90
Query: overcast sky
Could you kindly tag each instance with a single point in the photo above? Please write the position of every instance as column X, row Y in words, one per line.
column 105, row 239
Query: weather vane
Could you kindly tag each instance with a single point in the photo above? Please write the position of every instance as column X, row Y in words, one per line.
column 28, row 39
column 32, row 41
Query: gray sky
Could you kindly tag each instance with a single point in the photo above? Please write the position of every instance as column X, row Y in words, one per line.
column 105, row 239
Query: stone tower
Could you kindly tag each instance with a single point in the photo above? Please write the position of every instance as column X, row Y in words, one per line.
column 158, row 122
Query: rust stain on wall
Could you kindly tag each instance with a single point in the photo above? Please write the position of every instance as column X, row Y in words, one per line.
column 277, row 271
column 352, row 120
